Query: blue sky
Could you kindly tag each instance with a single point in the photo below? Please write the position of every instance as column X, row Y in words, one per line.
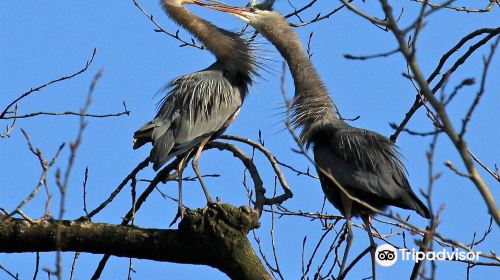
column 44, row 40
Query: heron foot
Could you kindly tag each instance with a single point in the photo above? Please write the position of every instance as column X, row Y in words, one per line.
column 217, row 202
column 180, row 214
column 214, row 205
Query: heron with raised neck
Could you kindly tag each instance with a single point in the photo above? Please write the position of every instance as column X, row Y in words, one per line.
column 199, row 106
column 360, row 170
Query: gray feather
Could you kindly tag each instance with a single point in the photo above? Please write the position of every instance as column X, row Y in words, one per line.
column 366, row 163
column 161, row 149
column 196, row 106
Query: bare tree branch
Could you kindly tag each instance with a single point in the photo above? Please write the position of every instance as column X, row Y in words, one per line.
column 492, row 32
column 176, row 36
column 39, row 88
column 448, row 128
column 459, row 9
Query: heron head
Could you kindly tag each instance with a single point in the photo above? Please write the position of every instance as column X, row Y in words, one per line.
column 253, row 14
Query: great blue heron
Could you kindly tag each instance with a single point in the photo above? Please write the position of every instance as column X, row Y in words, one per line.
column 201, row 105
column 364, row 162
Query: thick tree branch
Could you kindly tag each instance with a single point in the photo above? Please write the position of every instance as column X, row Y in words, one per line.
column 213, row 236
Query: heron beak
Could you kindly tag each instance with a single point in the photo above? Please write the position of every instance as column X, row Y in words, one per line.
column 224, row 8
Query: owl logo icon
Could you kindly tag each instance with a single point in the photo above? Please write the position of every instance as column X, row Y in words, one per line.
column 386, row 255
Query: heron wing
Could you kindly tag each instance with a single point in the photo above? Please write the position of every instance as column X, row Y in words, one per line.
column 369, row 165
column 196, row 106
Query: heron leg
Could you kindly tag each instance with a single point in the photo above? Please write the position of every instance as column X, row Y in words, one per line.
column 180, row 169
column 373, row 245
column 197, row 170
column 347, row 205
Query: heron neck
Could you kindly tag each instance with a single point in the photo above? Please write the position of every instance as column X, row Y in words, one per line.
column 312, row 101
column 228, row 48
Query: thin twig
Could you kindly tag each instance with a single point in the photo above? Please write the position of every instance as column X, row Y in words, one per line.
column 486, row 61
column 274, row 164
column 366, row 57
column 37, row 265
column 14, row 276
column 69, row 113
column 458, row 9
column 175, row 35
column 39, row 88
column 85, row 191
column 73, row 265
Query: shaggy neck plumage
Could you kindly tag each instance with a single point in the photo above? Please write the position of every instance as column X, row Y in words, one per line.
column 312, row 103
column 232, row 52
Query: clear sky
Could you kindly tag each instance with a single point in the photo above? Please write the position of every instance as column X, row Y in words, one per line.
column 44, row 40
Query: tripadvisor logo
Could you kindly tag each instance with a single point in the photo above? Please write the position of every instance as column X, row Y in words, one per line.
column 386, row 255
